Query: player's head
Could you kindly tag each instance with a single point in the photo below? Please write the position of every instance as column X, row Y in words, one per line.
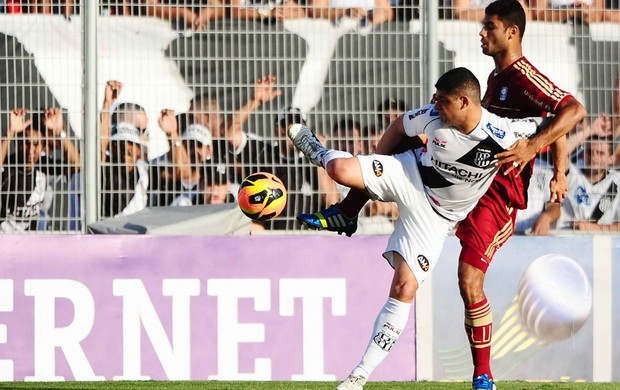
column 503, row 25
column 457, row 92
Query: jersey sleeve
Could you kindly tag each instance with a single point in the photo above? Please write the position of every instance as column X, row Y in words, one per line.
column 415, row 121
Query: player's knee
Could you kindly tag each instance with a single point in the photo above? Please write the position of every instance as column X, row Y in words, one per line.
column 339, row 170
column 404, row 290
column 471, row 287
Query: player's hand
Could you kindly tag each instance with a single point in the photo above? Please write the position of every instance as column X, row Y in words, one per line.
column 541, row 227
column 17, row 124
column 558, row 187
column 264, row 90
column 518, row 155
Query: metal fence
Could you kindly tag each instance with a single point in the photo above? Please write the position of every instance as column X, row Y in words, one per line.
column 132, row 105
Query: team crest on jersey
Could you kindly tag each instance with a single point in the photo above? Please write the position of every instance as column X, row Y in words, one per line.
column 423, row 263
column 499, row 133
column 503, row 94
column 377, row 167
column 482, row 158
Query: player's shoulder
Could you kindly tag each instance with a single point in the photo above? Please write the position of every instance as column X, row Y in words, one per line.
column 427, row 111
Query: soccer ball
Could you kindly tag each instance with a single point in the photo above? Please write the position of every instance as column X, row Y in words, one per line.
column 262, row 196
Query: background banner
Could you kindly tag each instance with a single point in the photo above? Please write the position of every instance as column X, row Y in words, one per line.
column 240, row 308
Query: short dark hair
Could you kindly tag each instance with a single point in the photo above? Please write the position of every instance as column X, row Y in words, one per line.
column 392, row 104
column 460, row 81
column 510, row 12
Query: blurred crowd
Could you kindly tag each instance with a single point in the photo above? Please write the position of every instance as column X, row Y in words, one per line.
column 209, row 153
column 196, row 14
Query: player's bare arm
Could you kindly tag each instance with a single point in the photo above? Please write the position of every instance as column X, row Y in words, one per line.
column 395, row 140
column 567, row 115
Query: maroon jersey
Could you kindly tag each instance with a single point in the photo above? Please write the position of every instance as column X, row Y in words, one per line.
column 519, row 91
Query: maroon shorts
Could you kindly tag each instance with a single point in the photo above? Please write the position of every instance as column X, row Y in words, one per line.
column 487, row 227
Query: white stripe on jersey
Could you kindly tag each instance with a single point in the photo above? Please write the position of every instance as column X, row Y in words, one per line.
column 457, row 169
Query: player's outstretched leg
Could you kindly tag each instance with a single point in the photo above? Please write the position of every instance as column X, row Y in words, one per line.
column 331, row 219
column 304, row 139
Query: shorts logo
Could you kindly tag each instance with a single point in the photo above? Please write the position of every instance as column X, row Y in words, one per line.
column 377, row 167
column 423, row 262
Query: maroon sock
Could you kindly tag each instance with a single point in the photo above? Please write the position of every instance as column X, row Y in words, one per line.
column 478, row 326
column 353, row 203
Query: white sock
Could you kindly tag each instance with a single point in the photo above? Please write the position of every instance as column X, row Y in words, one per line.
column 332, row 154
column 388, row 326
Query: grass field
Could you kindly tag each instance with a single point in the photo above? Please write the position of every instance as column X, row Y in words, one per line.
column 215, row 385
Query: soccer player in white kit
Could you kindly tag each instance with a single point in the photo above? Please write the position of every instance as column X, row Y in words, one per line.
column 434, row 188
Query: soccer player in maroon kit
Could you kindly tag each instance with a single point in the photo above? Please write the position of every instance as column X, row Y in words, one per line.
column 515, row 89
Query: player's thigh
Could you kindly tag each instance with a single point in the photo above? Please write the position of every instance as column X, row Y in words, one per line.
column 389, row 178
column 347, row 172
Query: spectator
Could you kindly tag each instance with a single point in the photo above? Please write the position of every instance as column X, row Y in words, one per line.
column 540, row 215
column 389, row 110
column 600, row 127
column 165, row 170
column 125, row 176
column 573, row 11
column 368, row 12
column 217, row 185
column 62, row 7
column 197, row 142
column 24, row 193
column 473, row 10
column 593, row 195
column 232, row 145
column 267, row 11
column 194, row 14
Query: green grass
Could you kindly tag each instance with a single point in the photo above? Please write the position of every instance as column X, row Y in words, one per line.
column 216, row 385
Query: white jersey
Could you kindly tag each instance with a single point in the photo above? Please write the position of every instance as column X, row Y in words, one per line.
column 456, row 168
column 585, row 201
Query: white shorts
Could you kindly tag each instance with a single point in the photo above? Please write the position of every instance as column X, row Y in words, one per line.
column 420, row 232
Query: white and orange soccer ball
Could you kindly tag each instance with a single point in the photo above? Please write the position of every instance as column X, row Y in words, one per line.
column 262, row 196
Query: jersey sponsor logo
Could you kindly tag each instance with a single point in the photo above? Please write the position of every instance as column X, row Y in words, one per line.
column 503, row 94
column 499, row 133
column 482, row 159
column 440, row 143
column 377, row 168
column 433, row 113
column 418, row 113
column 538, row 103
column 423, row 263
